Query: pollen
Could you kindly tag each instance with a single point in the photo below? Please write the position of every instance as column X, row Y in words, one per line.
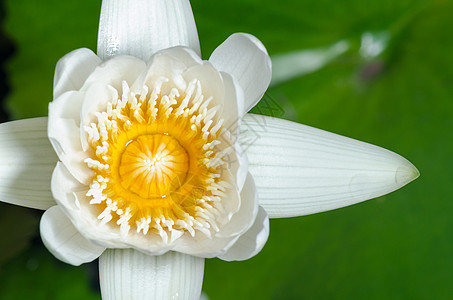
column 159, row 162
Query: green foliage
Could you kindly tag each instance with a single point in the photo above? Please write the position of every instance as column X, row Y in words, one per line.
column 395, row 247
column 44, row 31
column 18, row 225
column 37, row 275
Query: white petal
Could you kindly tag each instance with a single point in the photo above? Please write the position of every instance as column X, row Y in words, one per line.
column 243, row 56
column 73, row 69
column 186, row 55
column 245, row 217
column 210, row 80
column 300, row 170
column 202, row 246
column 70, row 196
column 64, row 133
column 142, row 27
column 239, row 223
column 114, row 71
column 233, row 107
column 67, row 106
column 163, row 65
column 251, row 242
column 95, row 100
column 63, row 240
column 26, row 163
column 239, row 164
column 129, row 274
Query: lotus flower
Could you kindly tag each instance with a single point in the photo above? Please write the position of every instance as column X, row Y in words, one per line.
column 154, row 164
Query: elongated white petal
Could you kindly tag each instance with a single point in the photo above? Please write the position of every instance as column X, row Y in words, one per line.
column 251, row 242
column 288, row 66
column 300, row 170
column 129, row 274
column 142, row 27
column 64, row 241
column 26, row 163
column 73, row 69
column 243, row 56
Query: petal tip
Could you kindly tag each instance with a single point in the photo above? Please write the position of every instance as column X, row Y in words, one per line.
column 253, row 39
column 406, row 173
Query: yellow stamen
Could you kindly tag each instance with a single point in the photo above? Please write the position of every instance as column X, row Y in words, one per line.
column 157, row 162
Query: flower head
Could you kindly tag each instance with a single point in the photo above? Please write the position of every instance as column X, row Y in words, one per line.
column 149, row 157
column 156, row 154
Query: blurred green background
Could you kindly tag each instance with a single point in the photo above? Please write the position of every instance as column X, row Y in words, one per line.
column 392, row 86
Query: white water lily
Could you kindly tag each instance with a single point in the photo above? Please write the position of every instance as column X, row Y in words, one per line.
column 147, row 157
column 158, row 166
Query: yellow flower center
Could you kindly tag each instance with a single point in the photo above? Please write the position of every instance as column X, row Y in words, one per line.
column 153, row 166
column 158, row 162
